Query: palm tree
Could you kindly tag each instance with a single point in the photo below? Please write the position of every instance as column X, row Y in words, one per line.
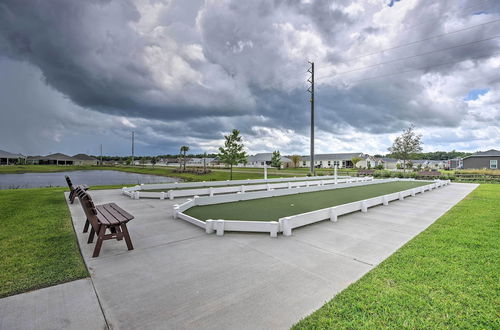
column 184, row 149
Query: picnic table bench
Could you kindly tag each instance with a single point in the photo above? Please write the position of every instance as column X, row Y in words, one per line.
column 102, row 218
column 72, row 189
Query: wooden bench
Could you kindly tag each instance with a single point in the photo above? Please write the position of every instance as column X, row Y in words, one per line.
column 72, row 189
column 104, row 217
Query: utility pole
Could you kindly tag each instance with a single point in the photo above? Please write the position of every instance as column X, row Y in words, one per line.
column 132, row 148
column 101, row 154
column 311, row 91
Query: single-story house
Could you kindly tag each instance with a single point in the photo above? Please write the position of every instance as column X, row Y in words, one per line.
column 482, row 159
column 52, row 159
column 199, row 162
column 261, row 159
column 389, row 163
column 342, row 160
column 83, row 159
column 7, row 158
column 426, row 163
column 453, row 164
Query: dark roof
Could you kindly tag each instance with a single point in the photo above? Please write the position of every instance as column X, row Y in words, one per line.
column 83, row 157
column 266, row 156
column 340, row 156
column 489, row 153
column 56, row 156
column 6, row 154
column 389, row 160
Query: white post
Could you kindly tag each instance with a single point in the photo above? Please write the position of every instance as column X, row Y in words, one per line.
column 364, row 207
column 211, row 192
column 170, row 194
column 268, row 187
column 333, row 214
column 265, row 171
column 195, row 199
column 274, row 229
column 209, row 226
column 220, row 227
column 162, row 195
column 176, row 210
column 285, row 226
column 385, row 200
column 136, row 195
column 242, row 189
column 335, row 173
column 289, row 185
column 401, row 196
column 413, row 193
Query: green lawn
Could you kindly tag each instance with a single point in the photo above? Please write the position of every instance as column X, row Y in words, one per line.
column 446, row 277
column 271, row 209
column 37, row 242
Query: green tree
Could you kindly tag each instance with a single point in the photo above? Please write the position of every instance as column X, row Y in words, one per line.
column 232, row 153
column 295, row 160
column 184, row 149
column 406, row 144
column 154, row 160
column 276, row 159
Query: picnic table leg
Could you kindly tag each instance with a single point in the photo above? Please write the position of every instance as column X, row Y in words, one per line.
column 98, row 244
column 127, row 236
column 86, row 227
column 91, row 235
column 119, row 234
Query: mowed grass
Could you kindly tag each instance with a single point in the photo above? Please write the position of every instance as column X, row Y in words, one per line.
column 448, row 277
column 273, row 208
column 38, row 246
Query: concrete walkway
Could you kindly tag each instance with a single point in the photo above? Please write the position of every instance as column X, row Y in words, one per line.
column 71, row 305
column 179, row 277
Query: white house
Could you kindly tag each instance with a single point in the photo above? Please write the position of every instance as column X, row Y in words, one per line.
column 261, row 159
column 342, row 160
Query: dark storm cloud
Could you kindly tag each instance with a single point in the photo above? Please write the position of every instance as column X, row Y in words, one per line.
column 195, row 69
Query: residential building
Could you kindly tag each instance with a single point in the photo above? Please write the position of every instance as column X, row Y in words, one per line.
column 52, row 159
column 83, row 159
column 7, row 158
column 482, row 159
column 427, row 164
column 453, row 164
column 342, row 160
column 390, row 163
column 261, row 159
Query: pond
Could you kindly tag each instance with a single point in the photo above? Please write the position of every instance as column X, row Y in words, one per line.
column 91, row 178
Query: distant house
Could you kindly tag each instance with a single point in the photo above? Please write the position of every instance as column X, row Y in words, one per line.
column 199, row 162
column 52, row 159
column 482, row 159
column 7, row 158
column 261, row 159
column 342, row 160
column 83, row 159
column 389, row 163
column 453, row 164
column 427, row 164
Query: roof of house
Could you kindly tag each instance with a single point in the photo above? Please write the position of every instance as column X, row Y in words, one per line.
column 340, row 156
column 489, row 153
column 6, row 154
column 266, row 157
column 56, row 156
column 84, row 157
column 389, row 160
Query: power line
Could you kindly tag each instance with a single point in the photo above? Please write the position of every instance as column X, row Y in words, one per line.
column 416, row 55
column 418, row 41
column 422, row 68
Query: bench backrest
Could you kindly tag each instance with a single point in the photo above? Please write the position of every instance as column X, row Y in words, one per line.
column 88, row 207
column 68, row 181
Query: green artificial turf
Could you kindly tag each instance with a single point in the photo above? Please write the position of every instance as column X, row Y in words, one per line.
column 273, row 208
column 448, row 277
column 38, row 245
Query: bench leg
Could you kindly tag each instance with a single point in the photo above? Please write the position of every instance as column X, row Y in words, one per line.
column 86, row 227
column 118, row 231
column 72, row 196
column 91, row 235
column 127, row 237
column 98, row 244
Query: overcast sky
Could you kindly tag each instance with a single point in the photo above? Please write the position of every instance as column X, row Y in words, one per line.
column 77, row 74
